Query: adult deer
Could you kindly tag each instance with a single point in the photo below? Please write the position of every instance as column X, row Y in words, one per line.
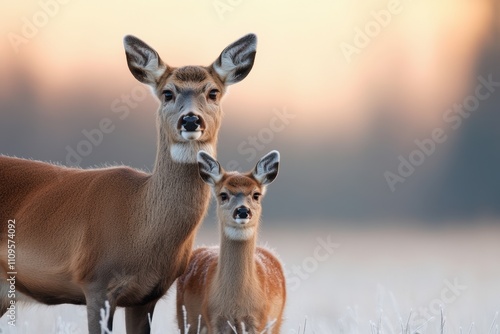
column 239, row 284
column 118, row 234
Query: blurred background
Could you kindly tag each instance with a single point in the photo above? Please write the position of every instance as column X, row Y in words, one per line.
column 386, row 114
column 358, row 82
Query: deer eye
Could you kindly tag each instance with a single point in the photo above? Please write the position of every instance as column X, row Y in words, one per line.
column 212, row 95
column 224, row 197
column 169, row 95
column 256, row 196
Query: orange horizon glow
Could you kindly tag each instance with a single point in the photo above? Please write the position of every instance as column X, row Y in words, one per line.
column 429, row 49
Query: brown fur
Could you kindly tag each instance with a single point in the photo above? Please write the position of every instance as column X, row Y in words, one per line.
column 239, row 282
column 115, row 234
column 67, row 239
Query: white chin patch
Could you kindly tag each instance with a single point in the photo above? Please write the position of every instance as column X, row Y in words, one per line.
column 238, row 233
column 191, row 135
column 241, row 221
column 187, row 152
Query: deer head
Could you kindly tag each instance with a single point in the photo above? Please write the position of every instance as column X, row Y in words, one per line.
column 239, row 195
column 190, row 96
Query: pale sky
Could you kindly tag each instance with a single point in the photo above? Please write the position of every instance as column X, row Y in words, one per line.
column 300, row 62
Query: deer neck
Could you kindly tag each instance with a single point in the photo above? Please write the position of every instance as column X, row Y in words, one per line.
column 236, row 269
column 176, row 197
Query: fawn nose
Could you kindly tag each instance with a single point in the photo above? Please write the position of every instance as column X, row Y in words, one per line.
column 191, row 122
column 242, row 213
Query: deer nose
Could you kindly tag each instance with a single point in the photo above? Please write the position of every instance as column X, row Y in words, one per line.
column 242, row 212
column 190, row 122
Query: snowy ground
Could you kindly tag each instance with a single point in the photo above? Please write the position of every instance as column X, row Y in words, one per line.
column 353, row 281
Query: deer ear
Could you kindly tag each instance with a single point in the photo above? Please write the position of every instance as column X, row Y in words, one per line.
column 209, row 168
column 143, row 61
column 266, row 169
column 236, row 61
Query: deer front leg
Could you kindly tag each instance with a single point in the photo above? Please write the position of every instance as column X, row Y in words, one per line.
column 96, row 298
column 137, row 319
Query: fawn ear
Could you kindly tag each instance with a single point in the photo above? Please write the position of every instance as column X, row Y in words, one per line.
column 266, row 169
column 236, row 61
column 209, row 168
column 143, row 61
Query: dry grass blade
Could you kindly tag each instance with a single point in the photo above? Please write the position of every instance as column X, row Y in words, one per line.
column 184, row 314
column 373, row 327
column 407, row 329
column 199, row 324
column 442, row 321
column 269, row 326
column 422, row 325
column 232, row 327
column 105, row 312
column 493, row 323
column 243, row 328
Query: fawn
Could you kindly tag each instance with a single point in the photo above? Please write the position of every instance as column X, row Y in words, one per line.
column 237, row 285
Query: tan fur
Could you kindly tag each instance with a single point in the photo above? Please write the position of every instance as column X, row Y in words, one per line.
column 239, row 282
column 116, row 234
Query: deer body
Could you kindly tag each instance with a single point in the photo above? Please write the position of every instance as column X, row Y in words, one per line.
column 117, row 234
column 238, row 283
column 91, row 248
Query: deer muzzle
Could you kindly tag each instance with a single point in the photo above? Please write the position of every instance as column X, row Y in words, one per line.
column 191, row 126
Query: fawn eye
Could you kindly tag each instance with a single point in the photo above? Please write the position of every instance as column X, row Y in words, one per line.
column 224, row 197
column 169, row 95
column 256, row 196
column 212, row 95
